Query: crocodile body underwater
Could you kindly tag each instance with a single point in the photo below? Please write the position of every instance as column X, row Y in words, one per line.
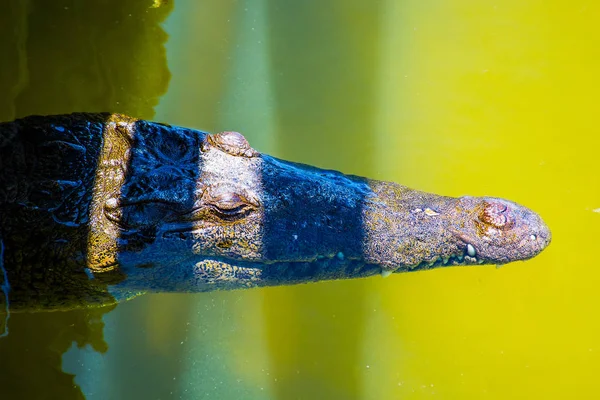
column 99, row 207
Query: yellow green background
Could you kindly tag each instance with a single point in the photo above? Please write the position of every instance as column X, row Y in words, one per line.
column 462, row 97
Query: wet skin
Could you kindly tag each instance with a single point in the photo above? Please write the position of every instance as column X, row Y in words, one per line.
column 99, row 207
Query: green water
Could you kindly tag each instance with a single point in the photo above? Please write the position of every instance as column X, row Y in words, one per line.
column 467, row 97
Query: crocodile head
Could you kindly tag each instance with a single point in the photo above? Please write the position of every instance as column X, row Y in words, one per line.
column 413, row 230
column 498, row 231
column 176, row 209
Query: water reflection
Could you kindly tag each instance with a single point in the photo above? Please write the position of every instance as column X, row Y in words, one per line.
column 32, row 353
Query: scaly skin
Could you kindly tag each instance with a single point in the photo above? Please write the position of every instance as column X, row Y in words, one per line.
column 98, row 207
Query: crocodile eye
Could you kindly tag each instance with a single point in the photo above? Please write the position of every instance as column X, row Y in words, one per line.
column 229, row 205
column 231, row 213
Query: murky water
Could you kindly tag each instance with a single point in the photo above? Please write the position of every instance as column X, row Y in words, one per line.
column 463, row 97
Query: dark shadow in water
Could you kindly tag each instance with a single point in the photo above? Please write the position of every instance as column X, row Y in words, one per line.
column 325, row 64
column 61, row 56
column 32, row 352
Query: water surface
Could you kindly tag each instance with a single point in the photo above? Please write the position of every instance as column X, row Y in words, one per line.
column 480, row 98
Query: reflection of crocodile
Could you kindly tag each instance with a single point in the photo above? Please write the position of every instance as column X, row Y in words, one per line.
column 98, row 205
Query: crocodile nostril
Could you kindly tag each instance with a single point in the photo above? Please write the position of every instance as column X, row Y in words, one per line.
column 496, row 215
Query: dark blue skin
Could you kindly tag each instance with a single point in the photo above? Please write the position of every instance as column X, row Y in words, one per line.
column 99, row 207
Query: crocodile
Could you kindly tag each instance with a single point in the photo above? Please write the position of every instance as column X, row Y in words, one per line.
column 96, row 208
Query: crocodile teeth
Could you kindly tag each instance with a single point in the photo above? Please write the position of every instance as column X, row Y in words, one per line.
column 386, row 272
column 471, row 250
column 470, row 260
column 430, row 212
